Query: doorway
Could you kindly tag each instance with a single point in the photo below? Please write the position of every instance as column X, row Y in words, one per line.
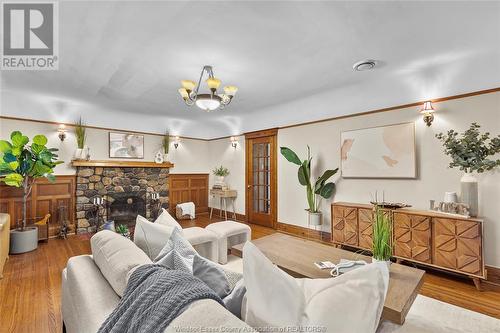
column 261, row 177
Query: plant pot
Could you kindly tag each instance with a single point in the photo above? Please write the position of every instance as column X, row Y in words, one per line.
column 469, row 193
column 315, row 218
column 81, row 153
column 387, row 262
column 165, row 157
column 23, row 241
column 219, row 180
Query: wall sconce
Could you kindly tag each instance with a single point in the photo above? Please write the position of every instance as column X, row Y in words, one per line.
column 234, row 142
column 176, row 142
column 428, row 112
column 61, row 130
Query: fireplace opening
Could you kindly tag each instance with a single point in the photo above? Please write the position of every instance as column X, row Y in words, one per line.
column 124, row 207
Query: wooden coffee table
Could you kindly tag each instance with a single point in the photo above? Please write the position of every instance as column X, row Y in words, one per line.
column 296, row 256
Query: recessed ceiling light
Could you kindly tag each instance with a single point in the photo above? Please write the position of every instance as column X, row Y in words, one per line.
column 364, row 65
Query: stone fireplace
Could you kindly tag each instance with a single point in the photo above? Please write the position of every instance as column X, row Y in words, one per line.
column 126, row 190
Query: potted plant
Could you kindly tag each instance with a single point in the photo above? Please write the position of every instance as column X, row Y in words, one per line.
column 382, row 227
column 220, row 173
column 165, row 144
column 81, row 137
column 469, row 151
column 315, row 192
column 122, row 229
column 20, row 165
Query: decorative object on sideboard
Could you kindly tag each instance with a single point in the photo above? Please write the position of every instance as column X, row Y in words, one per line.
column 452, row 208
column 381, row 234
column 177, row 140
column 469, row 151
column 81, row 138
column 390, row 205
column 207, row 102
column 379, row 152
column 159, row 157
column 126, row 145
column 450, row 197
column 165, row 145
column 234, row 142
column 315, row 192
column 427, row 111
column 20, row 165
column 220, row 174
column 61, row 132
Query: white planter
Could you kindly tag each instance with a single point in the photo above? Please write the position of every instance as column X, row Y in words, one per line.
column 315, row 218
column 81, row 153
column 23, row 241
column 387, row 262
column 469, row 193
column 219, row 180
column 165, row 157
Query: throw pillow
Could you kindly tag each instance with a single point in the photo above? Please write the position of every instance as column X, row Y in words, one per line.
column 352, row 302
column 234, row 300
column 151, row 237
column 212, row 275
column 166, row 219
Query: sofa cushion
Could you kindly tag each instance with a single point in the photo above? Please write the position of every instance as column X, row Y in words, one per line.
column 212, row 274
column 166, row 219
column 151, row 237
column 116, row 257
column 352, row 302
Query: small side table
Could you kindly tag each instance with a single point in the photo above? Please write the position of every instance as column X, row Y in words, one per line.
column 223, row 196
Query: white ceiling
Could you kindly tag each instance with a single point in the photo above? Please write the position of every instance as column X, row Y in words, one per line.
column 121, row 62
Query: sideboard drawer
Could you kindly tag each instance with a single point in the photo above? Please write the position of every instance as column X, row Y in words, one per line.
column 345, row 225
column 457, row 245
column 412, row 237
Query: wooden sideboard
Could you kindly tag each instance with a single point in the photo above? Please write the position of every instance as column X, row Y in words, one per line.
column 430, row 238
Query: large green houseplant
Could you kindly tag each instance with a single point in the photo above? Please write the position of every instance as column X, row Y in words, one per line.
column 470, row 151
column 315, row 192
column 20, row 164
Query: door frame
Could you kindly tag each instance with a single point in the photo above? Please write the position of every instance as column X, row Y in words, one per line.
column 272, row 132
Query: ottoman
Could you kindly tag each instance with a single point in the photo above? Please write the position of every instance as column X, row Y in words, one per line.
column 229, row 233
column 204, row 242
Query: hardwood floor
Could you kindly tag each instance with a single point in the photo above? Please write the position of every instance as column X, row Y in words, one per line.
column 30, row 291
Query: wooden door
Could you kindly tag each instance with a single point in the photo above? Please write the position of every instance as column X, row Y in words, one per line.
column 261, row 179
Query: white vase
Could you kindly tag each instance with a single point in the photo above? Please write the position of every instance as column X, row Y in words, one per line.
column 387, row 262
column 79, row 152
column 469, row 193
column 165, row 157
column 315, row 218
column 450, row 197
column 219, row 180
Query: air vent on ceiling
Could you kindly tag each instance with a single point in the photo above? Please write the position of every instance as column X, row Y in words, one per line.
column 364, row 65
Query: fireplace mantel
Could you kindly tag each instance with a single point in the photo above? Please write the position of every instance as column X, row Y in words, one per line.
column 121, row 164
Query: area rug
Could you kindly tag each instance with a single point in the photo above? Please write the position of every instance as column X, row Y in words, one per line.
column 427, row 315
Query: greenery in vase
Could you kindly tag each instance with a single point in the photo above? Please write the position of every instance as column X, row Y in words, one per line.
column 165, row 142
column 122, row 229
column 469, row 151
column 21, row 164
column 381, row 247
column 80, row 133
column 317, row 191
column 220, row 171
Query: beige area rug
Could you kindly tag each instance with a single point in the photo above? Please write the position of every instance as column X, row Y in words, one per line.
column 426, row 315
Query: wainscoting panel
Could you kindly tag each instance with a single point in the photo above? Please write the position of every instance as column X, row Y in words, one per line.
column 189, row 187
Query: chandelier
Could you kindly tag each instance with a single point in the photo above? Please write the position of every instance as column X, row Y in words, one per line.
column 207, row 102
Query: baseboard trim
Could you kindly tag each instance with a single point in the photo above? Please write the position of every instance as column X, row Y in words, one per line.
column 216, row 212
column 302, row 232
column 492, row 277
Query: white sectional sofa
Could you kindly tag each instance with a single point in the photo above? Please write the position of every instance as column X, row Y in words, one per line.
column 91, row 285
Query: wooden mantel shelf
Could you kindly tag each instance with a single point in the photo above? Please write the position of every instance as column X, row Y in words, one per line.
column 121, row 164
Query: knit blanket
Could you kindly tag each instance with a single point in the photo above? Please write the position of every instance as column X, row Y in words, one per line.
column 153, row 298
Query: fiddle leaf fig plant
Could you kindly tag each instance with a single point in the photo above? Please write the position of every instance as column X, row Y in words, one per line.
column 21, row 163
column 320, row 189
column 469, row 151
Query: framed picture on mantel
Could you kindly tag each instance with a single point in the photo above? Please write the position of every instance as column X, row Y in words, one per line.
column 379, row 152
column 126, row 145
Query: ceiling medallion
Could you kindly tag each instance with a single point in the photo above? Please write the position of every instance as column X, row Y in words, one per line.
column 207, row 102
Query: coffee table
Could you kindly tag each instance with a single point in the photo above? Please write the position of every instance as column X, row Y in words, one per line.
column 296, row 256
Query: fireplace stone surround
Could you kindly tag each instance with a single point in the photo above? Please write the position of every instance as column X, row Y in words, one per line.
column 112, row 183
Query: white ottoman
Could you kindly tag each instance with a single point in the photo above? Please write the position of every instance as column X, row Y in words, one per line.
column 229, row 233
column 205, row 242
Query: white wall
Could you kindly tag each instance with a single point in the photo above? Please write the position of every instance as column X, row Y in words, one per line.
column 97, row 140
column 222, row 153
column 434, row 176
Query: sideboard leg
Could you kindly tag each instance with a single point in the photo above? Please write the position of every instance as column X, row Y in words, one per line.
column 477, row 283
column 399, row 261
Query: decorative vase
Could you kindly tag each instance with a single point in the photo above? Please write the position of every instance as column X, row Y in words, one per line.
column 79, row 153
column 387, row 262
column 450, row 197
column 219, row 180
column 22, row 241
column 469, row 193
column 315, row 218
column 165, row 157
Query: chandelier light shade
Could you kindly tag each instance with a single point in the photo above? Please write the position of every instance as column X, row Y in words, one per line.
column 207, row 101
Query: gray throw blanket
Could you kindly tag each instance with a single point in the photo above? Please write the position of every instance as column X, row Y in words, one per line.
column 153, row 298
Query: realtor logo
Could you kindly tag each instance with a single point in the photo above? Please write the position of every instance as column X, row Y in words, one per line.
column 30, row 33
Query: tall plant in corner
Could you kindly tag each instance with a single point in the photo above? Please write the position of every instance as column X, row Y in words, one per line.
column 315, row 192
column 470, row 152
column 21, row 163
